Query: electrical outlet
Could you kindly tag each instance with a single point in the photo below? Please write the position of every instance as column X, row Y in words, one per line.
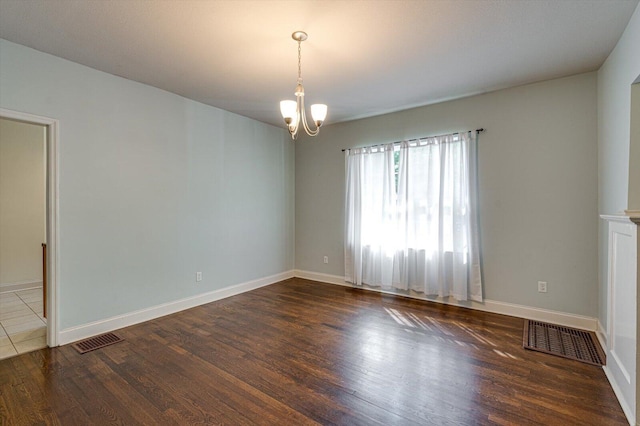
column 198, row 276
column 542, row 286
column 326, row 259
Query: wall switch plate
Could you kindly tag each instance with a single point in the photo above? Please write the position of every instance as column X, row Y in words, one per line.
column 326, row 259
column 198, row 276
column 542, row 286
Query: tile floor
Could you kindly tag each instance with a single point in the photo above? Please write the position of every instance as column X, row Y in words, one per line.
column 22, row 327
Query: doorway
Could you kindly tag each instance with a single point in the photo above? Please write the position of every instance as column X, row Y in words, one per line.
column 28, row 233
column 22, row 234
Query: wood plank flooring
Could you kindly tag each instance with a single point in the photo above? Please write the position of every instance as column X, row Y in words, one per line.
column 300, row 352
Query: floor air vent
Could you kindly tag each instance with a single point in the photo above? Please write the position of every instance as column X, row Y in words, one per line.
column 562, row 341
column 97, row 342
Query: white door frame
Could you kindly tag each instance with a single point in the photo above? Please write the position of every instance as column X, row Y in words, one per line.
column 53, row 233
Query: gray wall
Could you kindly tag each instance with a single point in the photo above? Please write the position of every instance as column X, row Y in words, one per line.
column 538, row 188
column 615, row 77
column 153, row 187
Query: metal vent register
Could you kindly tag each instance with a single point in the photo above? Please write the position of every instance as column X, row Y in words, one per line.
column 97, row 342
column 562, row 341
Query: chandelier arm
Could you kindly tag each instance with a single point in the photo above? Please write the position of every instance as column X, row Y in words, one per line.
column 304, row 121
column 308, row 129
column 293, row 130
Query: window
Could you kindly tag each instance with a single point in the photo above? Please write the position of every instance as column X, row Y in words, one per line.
column 411, row 220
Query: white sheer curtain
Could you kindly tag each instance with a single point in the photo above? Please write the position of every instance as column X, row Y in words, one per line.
column 371, row 214
column 423, row 236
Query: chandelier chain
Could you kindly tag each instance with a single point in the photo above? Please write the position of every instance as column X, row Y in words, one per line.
column 299, row 61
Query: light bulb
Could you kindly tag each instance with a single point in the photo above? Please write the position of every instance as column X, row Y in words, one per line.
column 288, row 110
column 319, row 113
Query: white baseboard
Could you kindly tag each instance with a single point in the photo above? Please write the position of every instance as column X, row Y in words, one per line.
column 628, row 412
column 493, row 306
column 20, row 285
column 80, row 332
column 601, row 333
column 73, row 334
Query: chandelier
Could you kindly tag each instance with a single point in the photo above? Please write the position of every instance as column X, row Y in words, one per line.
column 293, row 111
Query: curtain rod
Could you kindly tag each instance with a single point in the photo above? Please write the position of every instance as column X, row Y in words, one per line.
column 480, row 130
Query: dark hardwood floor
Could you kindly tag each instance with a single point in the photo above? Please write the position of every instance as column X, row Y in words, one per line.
column 300, row 352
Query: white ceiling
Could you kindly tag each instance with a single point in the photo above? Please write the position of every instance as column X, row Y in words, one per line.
column 362, row 58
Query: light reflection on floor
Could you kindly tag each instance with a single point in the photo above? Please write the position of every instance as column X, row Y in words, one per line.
column 436, row 349
column 415, row 323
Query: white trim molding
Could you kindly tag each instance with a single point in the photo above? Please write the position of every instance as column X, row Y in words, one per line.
column 622, row 310
column 601, row 334
column 623, row 218
column 53, row 230
column 73, row 334
column 626, row 409
column 493, row 306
